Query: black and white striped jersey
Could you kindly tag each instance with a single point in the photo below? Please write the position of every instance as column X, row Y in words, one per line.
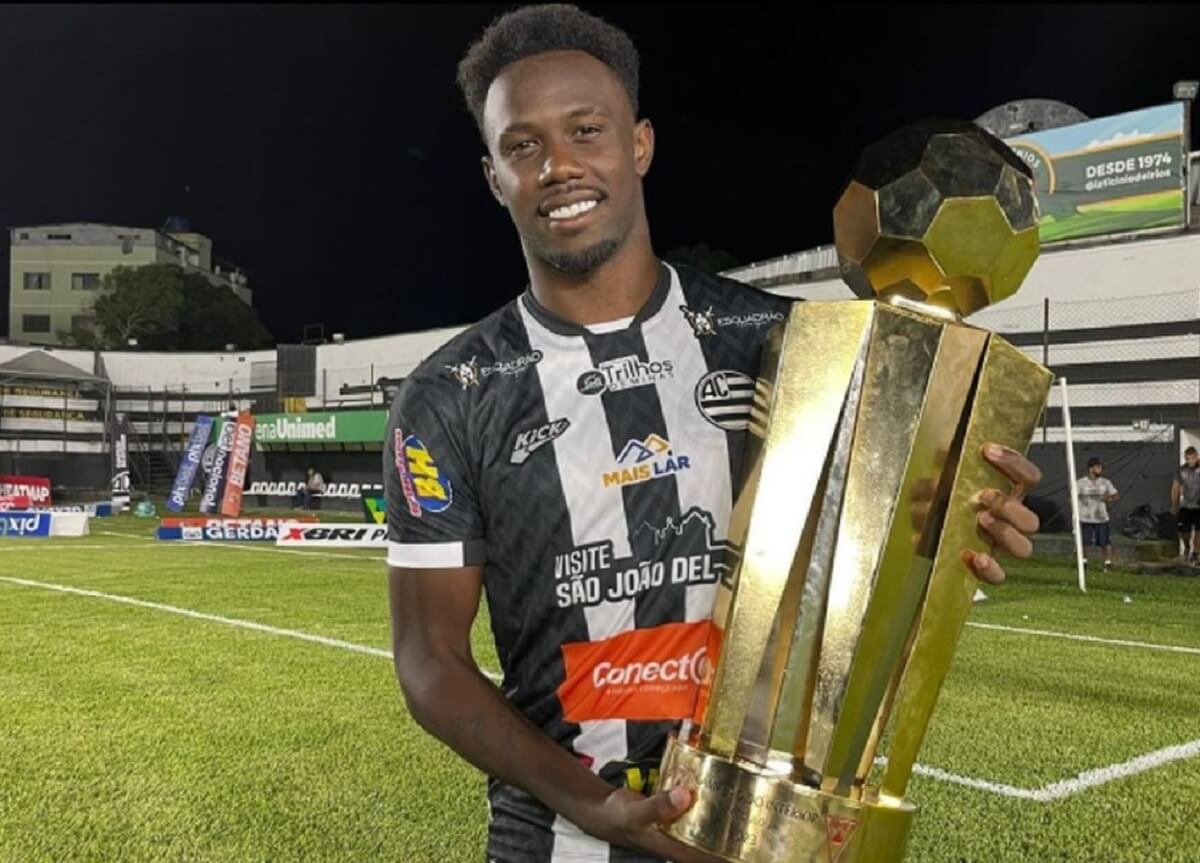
column 591, row 473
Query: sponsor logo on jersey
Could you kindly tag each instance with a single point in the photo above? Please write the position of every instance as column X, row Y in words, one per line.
column 707, row 322
column 703, row 323
column 681, row 552
column 644, row 460
column 470, row 373
column 425, row 486
column 643, row 674
column 531, row 440
column 725, row 398
column 624, row 373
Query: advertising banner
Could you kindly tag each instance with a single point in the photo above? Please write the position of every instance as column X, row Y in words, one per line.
column 190, row 464
column 121, row 486
column 239, row 463
column 225, row 529
column 220, row 463
column 24, row 524
column 317, row 427
column 333, row 491
column 15, row 501
column 36, row 488
column 1113, row 175
column 343, row 535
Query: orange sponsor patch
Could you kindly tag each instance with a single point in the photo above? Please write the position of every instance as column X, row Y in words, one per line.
column 643, row 674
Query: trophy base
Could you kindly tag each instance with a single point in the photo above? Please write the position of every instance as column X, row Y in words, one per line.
column 746, row 814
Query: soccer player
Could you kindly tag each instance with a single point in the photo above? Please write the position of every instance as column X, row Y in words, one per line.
column 574, row 455
column 1096, row 492
column 1185, row 503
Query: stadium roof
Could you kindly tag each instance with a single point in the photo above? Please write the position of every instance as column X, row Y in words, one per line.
column 39, row 365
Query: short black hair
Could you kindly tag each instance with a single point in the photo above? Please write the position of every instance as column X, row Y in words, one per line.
column 1093, row 461
column 1190, row 451
column 534, row 30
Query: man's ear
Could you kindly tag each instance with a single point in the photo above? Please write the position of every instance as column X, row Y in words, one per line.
column 643, row 147
column 489, row 174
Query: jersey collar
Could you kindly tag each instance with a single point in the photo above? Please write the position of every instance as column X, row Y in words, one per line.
column 563, row 327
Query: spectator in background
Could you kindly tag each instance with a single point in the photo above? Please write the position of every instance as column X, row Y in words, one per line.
column 1185, row 503
column 1095, row 494
column 314, row 486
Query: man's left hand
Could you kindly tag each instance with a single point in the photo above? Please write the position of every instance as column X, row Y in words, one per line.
column 1005, row 520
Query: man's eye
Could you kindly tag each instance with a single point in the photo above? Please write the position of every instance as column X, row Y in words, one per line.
column 521, row 147
column 590, row 131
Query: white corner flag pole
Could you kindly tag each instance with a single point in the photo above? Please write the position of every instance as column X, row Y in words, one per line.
column 1066, row 412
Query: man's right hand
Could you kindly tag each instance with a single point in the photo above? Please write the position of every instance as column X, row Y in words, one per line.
column 630, row 819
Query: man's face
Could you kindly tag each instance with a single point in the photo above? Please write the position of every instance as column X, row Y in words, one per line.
column 1095, row 470
column 566, row 157
column 1192, row 458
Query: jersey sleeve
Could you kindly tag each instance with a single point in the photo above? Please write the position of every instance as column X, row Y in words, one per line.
column 433, row 514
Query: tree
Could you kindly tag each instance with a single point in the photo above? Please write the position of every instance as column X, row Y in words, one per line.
column 142, row 303
column 703, row 257
column 165, row 307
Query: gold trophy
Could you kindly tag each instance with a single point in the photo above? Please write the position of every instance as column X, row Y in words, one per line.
column 839, row 624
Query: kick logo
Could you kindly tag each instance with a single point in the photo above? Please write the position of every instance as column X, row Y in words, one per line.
column 644, row 460
column 531, row 440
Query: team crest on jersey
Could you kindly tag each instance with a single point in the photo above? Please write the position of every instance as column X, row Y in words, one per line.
column 703, row 323
column 465, row 374
column 426, row 488
column 645, row 460
column 725, row 398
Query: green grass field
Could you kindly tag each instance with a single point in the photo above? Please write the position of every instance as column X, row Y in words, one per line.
column 136, row 733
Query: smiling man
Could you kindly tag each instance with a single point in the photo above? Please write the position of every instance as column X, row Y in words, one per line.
column 575, row 455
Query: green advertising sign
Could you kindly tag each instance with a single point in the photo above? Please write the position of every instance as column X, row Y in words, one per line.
column 320, row 427
column 1109, row 176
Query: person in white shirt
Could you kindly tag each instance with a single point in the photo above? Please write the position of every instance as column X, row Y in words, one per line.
column 1095, row 494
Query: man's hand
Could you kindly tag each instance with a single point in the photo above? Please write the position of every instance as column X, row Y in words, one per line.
column 629, row 819
column 1006, row 521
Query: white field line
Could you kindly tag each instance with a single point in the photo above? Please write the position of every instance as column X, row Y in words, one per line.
column 1091, row 639
column 214, row 618
column 1076, row 784
column 1046, row 794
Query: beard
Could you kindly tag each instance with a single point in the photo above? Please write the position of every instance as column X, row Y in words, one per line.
column 580, row 261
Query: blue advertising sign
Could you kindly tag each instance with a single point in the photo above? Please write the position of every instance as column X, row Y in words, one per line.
column 22, row 523
column 190, row 464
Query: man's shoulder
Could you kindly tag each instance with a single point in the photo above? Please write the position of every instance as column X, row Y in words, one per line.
column 456, row 363
column 729, row 295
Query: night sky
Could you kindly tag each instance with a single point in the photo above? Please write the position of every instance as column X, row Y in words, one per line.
column 327, row 149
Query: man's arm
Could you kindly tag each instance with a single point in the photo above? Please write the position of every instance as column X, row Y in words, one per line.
column 1113, row 496
column 447, row 694
column 1176, row 493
